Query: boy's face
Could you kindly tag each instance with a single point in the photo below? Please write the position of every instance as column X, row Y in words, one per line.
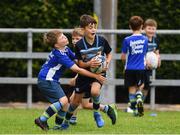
column 62, row 41
column 150, row 31
column 75, row 39
column 90, row 31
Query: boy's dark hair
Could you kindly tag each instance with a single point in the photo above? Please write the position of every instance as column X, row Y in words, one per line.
column 85, row 20
column 50, row 38
column 135, row 22
column 150, row 22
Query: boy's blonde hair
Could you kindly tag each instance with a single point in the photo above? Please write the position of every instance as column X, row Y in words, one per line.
column 78, row 32
column 150, row 22
column 51, row 37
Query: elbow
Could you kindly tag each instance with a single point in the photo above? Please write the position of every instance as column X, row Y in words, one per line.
column 123, row 58
column 75, row 68
column 78, row 70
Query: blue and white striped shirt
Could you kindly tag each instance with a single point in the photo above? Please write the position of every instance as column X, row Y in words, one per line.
column 55, row 64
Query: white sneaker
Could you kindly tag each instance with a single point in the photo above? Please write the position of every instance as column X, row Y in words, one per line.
column 129, row 110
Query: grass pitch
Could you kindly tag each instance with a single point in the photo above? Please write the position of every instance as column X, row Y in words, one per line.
column 21, row 121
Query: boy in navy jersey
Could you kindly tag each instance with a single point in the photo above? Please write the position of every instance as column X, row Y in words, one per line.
column 77, row 34
column 90, row 43
column 150, row 27
column 134, row 48
column 60, row 58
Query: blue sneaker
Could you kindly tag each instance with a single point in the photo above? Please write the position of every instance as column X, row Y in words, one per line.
column 73, row 120
column 64, row 126
column 98, row 119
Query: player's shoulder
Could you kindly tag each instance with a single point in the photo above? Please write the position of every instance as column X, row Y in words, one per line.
column 128, row 37
column 156, row 37
column 145, row 37
column 67, row 49
column 79, row 43
column 102, row 41
column 144, row 34
column 101, row 38
column 60, row 53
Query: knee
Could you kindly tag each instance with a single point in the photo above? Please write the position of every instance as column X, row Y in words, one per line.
column 95, row 94
column 141, row 87
column 76, row 100
column 64, row 100
column 86, row 106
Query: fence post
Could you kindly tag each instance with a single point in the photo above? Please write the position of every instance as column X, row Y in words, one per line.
column 152, row 93
column 108, row 15
column 29, row 69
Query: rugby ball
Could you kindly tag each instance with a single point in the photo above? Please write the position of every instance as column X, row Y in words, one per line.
column 100, row 68
column 152, row 58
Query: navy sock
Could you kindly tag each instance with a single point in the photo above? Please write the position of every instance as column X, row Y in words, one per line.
column 132, row 99
column 69, row 114
column 96, row 102
column 106, row 107
column 60, row 117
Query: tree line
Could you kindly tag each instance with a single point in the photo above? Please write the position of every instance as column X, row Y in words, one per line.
column 65, row 14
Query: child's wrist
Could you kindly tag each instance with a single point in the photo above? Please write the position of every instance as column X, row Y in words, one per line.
column 89, row 63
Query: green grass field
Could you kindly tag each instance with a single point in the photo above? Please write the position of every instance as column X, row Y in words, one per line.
column 21, row 121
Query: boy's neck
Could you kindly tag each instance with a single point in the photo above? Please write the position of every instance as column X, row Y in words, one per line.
column 90, row 41
column 150, row 38
column 137, row 32
column 62, row 48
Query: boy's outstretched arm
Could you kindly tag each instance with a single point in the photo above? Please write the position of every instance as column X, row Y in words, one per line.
column 84, row 72
column 91, row 63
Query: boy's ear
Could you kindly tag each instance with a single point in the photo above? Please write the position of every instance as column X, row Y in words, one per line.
column 82, row 29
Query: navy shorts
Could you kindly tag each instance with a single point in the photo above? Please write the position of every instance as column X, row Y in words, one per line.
column 134, row 77
column 87, row 94
column 148, row 74
column 83, row 85
column 51, row 90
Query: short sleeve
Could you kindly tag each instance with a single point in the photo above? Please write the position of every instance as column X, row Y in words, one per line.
column 64, row 60
column 107, row 48
column 124, row 46
column 71, row 54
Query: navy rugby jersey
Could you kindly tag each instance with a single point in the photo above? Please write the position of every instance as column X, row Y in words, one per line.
column 153, row 45
column 55, row 64
column 135, row 47
column 100, row 43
